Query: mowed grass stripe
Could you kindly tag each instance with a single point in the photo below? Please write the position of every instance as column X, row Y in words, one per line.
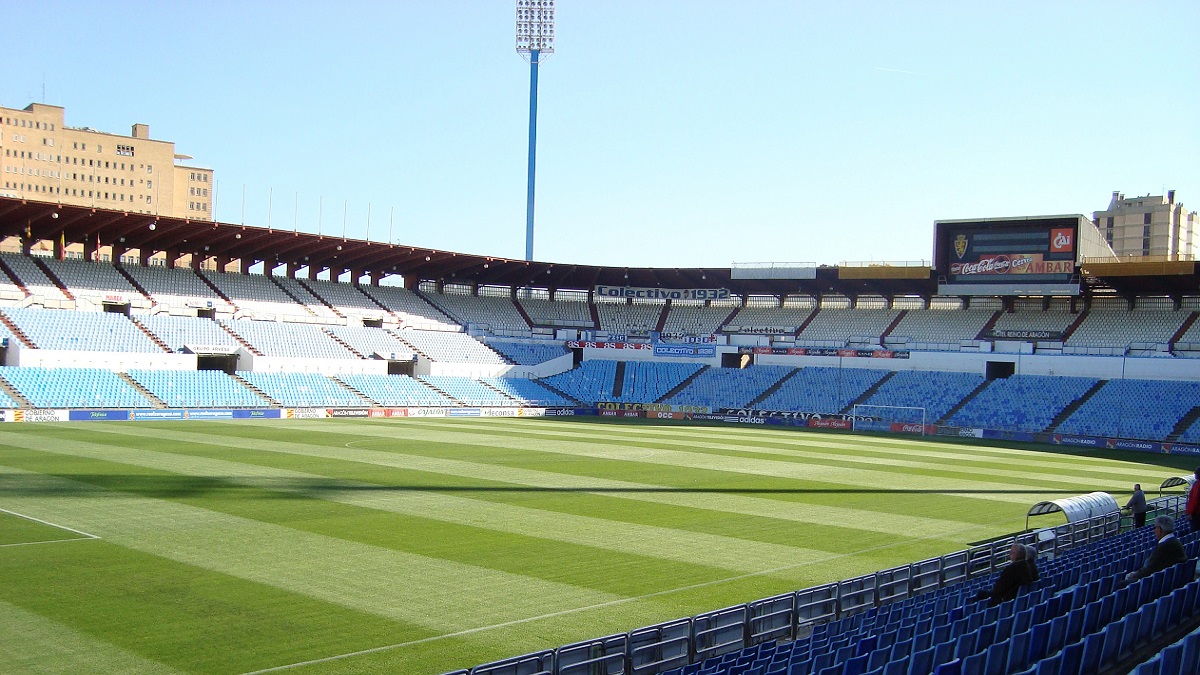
column 35, row 644
column 670, row 532
column 888, row 523
column 151, row 614
column 926, row 458
column 434, row 593
column 660, row 543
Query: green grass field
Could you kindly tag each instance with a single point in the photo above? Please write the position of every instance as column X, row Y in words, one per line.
column 420, row 546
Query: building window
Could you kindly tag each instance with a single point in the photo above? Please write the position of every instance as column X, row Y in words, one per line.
column 126, row 151
column 1146, row 218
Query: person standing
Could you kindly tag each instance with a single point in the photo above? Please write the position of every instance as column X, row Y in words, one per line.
column 1193, row 503
column 1137, row 505
column 1169, row 551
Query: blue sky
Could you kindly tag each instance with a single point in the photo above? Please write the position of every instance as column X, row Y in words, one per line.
column 671, row 134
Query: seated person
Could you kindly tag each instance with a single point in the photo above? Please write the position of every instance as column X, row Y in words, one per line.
column 1019, row 571
column 1031, row 559
column 1168, row 552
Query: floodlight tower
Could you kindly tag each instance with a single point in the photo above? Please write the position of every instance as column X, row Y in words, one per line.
column 535, row 38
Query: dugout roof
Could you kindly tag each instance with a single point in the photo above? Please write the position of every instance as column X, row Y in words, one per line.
column 1079, row 507
column 92, row 227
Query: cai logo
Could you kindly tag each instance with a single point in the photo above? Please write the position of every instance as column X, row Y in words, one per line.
column 960, row 245
column 1062, row 240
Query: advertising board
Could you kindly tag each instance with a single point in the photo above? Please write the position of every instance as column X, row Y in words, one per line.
column 1024, row 253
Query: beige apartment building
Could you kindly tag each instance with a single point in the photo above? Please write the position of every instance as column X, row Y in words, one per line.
column 43, row 159
column 1150, row 226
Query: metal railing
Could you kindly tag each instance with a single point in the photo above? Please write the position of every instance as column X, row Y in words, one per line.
column 673, row 644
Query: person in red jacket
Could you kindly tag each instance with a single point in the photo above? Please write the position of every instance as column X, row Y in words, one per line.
column 1193, row 503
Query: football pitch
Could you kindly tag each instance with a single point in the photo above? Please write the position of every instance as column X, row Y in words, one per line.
column 422, row 546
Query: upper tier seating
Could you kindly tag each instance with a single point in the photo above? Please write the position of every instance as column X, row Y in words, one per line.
column 1021, row 402
column 303, row 389
column 312, row 303
column 174, row 286
column 81, row 331
column 528, row 353
column 494, row 314
column 73, row 388
column 1119, row 328
column 558, row 313
column 449, row 347
column 790, row 318
column 177, row 331
column 638, row 318
column 369, row 341
column 840, row 325
column 940, row 325
column 93, row 280
column 937, row 392
column 397, row 390
column 467, row 391
column 1146, row 409
column 729, row 387
column 256, row 294
column 1191, row 434
column 347, row 298
column 528, row 392
column 32, row 276
column 821, row 389
column 197, row 388
column 695, row 319
column 289, row 340
column 411, row 309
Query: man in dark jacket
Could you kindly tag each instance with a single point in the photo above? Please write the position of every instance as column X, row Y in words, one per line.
column 1012, row 578
column 1137, row 505
column 1168, row 552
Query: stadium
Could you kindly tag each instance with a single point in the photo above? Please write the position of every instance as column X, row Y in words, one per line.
column 234, row 447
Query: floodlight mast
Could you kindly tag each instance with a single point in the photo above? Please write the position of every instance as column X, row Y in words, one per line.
column 535, row 39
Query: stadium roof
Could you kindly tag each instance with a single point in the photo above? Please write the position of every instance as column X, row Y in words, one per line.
column 35, row 220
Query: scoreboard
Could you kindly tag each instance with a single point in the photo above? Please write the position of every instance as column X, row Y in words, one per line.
column 1008, row 256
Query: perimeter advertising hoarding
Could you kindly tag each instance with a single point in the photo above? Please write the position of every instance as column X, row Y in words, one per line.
column 1019, row 256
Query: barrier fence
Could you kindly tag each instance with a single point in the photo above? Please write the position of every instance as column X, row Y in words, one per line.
column 673, row 644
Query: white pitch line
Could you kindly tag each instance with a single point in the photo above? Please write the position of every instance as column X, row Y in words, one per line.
column 44, row 522
column 610, row 603
column 48, row 541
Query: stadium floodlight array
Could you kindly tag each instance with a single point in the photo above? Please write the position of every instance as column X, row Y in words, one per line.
column 535, row 38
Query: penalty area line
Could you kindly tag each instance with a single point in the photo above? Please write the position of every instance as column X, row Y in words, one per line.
column 620, row 601
column 46, row 522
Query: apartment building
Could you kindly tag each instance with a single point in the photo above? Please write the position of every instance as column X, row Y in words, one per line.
column 43, row 159
column 1149, row 226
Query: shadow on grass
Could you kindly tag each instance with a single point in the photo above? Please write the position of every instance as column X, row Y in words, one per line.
column 185, row 487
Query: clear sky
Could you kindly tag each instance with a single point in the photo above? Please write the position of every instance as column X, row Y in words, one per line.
column 677, row 133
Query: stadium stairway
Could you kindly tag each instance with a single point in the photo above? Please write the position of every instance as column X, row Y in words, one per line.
column 866, row 395
column 523, row 313
column 966, row 399
column 357, row 392
column 773, row 388
column 1184, row 424
column 241, row 380
column 15, row 279
column 1075, row 405
column 892, row 326
column 682, row 385
column 987, row 327
column 14, row 394
column 158, row 402
column 1074, row 326
column 288, row 292
column 150, row 334
column 52, row 277
column 220, row 294
column 240, row 340
column 618, row 380
column 318, row 296
column 132, row 282
column 16, row 330
column 343, row 343
column 556, row 390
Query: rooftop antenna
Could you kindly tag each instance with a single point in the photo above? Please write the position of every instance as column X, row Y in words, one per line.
column 535, row 38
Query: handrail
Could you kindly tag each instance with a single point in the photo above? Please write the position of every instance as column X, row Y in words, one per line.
column 672, row 644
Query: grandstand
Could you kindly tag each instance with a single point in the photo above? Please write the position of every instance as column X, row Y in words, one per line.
column 1114, row 364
